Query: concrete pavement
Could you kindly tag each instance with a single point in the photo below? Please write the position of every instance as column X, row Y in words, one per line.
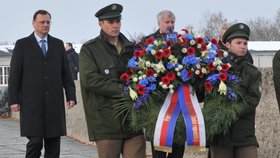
column 13, row 146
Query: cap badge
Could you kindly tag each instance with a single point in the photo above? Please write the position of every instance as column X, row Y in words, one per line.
column 114, row 7
column 241, row 26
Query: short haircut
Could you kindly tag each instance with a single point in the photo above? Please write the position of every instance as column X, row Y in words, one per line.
column 69, row 44
column 163, row 13
column 43, row 12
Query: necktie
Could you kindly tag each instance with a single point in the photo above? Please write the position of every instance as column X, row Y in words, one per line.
column 43, row 47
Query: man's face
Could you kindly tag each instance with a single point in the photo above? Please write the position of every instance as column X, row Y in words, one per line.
column 238, row 46
column 42, row 24
column 167, row 22
column 111, row 27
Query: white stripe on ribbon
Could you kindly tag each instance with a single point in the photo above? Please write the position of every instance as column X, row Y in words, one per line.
column 160, row 119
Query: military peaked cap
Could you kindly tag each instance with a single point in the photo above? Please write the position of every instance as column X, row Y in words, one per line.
column 112, row 11
column 237, row 30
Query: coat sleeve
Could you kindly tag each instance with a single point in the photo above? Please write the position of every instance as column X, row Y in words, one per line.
column 15, row 75
column 92, row 80
column 276, row 76
column 251, row 92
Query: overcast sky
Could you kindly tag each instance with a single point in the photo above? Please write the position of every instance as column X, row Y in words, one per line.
column 74, row 21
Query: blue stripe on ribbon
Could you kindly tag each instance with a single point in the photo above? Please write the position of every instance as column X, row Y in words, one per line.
column 172, row 124
column 186, row 115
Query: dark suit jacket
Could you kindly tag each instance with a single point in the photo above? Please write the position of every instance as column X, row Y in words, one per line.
column 36, row 82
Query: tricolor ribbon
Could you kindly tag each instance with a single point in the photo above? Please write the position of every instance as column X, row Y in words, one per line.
column 182, row 100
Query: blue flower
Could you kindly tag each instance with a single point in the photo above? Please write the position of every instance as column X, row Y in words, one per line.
column 151, row 79
column 184, row 75
column 144, row 82
column 140, row 100
column 190, row 60
column 213, row 78
column 149, row 48
column 132, row 62
column 170, row 65
column 189, row 36
column 230, row 94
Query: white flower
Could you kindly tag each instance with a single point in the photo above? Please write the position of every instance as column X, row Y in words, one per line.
column 180, row 66
column 160, row 83
column 135, row 79
column 164, row 86
column 153, row 52
column 155, row 75
column 140, row 72
column 160, row 67
column 148, row 63
column 203, row 70
column 140, row 78
column 156, row 43
column 171, row 86
column 225, row 53
column 198, row 46
column 144, row 76
column 178, row 73
column 214, row 63
column 177, row 69
column 133, row 95
column 197, row 72
column 184, row 50
column 219, row 68
column 192, row 42
column 198, row 66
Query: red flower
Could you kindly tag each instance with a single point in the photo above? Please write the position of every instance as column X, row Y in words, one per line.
column 190, row 51
column 203, row 47
column 138, row 53
column 125, row 77
column 211, row 67
column 182, row 41
column 199, row 40
column 220, row 53
column 166, row 52
column 141, row 89
column 165, row 80
column 159, row 54
column 150, row 73
column 223, row 76
column 169, row 42
column 189, row 74
column 208, row 86
column 170, row 75
column 150, row 40
column 225, row 68
column 214, row 41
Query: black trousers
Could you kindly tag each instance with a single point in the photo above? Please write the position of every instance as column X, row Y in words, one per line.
column 177, row 152
column 35, row 145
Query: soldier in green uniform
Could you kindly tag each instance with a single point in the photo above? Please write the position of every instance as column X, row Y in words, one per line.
column 102, row 59
column 241, row 140
column 276, row 76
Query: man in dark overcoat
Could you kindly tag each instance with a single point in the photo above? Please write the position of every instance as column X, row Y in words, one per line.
column 36, row 81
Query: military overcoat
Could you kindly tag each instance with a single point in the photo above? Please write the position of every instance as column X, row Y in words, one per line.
column 100, row 67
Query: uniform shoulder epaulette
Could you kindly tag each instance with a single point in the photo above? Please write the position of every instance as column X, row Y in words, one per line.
column 91, row 41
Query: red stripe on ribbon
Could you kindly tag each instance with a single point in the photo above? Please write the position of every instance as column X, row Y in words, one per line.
column 167, row 117
column 194, row 120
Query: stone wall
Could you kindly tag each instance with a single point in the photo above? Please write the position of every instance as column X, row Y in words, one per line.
column 267, row 122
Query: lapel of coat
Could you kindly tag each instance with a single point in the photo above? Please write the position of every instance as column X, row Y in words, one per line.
column 38, row 51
